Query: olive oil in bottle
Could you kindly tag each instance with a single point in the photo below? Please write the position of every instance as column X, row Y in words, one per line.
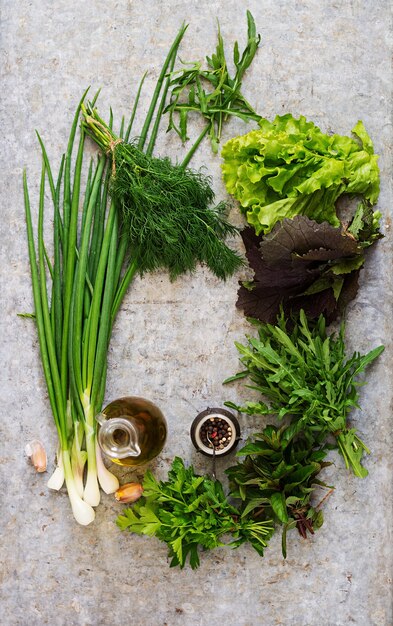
column 131, row 431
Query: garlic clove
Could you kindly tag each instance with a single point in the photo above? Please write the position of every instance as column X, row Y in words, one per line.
column 130, row 492
column 36, row 451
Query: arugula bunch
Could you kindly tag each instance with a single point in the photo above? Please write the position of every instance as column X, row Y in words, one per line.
column 306, row 375
column 278, row 477
column 187, row 511
column 212, row 92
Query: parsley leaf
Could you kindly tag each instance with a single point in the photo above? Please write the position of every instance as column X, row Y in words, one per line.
column 187, row 512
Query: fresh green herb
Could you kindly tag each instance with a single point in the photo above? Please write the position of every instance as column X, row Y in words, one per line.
column 300, row 264
column 289, row 167
column 165, row 208
column 187, row 511
column 73, row 301
column 212, row 92
column 305, row 375
column 278, row 478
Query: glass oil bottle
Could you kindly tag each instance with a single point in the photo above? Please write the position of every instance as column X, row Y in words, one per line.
column 131, row 431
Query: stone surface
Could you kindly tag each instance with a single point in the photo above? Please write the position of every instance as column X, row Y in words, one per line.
column 173, row 343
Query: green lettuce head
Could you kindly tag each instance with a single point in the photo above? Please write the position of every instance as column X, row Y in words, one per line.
column 289, row 167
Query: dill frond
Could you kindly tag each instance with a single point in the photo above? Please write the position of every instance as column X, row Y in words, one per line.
column 167, row 215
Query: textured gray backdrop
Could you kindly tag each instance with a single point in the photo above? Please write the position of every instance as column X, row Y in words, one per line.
column 173, row 343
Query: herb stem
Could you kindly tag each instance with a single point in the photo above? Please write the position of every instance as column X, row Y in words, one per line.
column 192, row 151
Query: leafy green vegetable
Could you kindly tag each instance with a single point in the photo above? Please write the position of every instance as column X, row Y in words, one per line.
column 305, row 375
column 365, row 225
column 212, row 92
column 278, row 477
column 73, row 337
column 300, row 265
column 165, row 208
column 289, row 167
column 187, row 511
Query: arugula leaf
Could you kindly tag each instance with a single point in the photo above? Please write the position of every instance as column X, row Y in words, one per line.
column 304, row 373
column 365, row 225
column 212, row 92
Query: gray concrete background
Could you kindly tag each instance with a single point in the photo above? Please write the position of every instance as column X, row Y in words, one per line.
column 173, row 343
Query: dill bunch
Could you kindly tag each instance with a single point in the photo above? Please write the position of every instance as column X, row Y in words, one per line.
column 167, row 215
column 165, row 207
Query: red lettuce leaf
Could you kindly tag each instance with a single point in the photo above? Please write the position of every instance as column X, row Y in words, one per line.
column 289, row 261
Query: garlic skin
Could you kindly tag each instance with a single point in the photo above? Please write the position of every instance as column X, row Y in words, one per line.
column 36, row 451
column 130, row 492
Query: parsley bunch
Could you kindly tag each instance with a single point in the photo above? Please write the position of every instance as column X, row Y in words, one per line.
column 187, row 511
column 305, row 374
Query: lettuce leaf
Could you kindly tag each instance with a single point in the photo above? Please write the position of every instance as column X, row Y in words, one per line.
column 289, row 167
column 300, row 265
column 365, row 225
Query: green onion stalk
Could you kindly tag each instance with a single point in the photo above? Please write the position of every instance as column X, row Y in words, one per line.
column 73, row 297
column 97, row 251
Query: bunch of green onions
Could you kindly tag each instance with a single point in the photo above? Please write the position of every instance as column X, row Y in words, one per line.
column 77, row 294
column 86, row 282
